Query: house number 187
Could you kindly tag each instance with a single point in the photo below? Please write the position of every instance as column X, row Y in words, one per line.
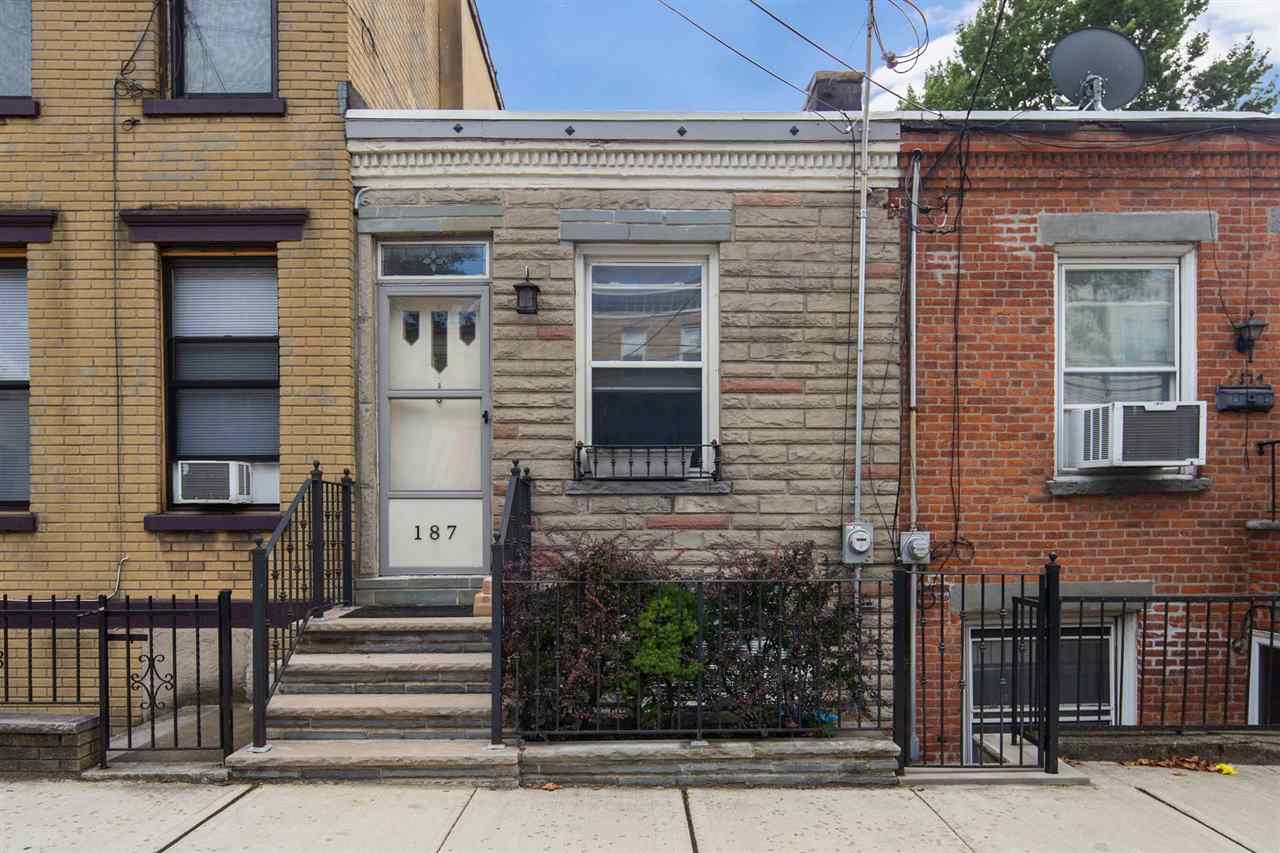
column 433, row 532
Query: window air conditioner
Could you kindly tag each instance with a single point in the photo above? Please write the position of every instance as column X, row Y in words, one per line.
column 1133, row 435
column 214, row 483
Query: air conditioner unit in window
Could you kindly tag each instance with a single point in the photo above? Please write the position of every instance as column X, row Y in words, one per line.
column 214, row 483
column 1137, row 435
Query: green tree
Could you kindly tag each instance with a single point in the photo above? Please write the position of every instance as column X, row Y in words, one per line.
column 1018, row 74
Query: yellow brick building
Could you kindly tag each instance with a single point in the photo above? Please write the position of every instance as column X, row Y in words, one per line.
column 170, row 171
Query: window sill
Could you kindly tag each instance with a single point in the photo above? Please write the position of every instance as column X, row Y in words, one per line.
column 11, row 107
column 1262, row 524
column 17, row 522
column 204, row 522
column 214, row 106
column 1127, row 484
column 648, row 487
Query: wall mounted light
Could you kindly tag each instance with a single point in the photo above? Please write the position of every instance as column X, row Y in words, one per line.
column 527, row 295
column 1248, row 333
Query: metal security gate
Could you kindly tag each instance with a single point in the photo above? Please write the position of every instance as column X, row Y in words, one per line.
column 976, row 663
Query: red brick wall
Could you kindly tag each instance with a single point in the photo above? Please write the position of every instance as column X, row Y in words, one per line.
column 1188, row 543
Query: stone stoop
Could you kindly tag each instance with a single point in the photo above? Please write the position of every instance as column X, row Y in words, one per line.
column 416, row 590
column 385, row 679
column 783, row 762
column 468, row 763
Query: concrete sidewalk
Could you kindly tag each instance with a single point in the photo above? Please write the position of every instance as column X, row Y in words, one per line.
column 1125, row 809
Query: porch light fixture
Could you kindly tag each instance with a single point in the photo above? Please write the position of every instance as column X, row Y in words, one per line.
column 527, row 295
column 1248, row 333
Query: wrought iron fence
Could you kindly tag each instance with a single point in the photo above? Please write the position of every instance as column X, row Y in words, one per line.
column 696, row 656
column 647, row 462
column 158, row 670
column 512, row 548
column 974, row 663
column 1158, row 662
column 1263, row 448
column 302, row 569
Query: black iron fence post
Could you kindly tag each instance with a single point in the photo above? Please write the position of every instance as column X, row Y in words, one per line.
column 104, row 683
column 317, row 539
column 226, row 724
column 495, row 640
column 1052, row 615
column 260, row 643
column 902, row 668
column 348, row 540
column 702, row 655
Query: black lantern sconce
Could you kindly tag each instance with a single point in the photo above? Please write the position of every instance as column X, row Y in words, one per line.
column 1247, row 334
column 527, row 295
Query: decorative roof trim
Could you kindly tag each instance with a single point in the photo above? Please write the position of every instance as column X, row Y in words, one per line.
column 398, row 164
column 214, row 225
column 27, row 225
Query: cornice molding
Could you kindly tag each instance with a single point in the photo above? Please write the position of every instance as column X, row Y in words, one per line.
column 620, row 165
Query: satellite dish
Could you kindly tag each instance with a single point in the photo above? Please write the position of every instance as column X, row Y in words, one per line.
column 1097, row 69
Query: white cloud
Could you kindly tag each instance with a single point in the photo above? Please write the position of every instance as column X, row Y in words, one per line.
column 942, row 23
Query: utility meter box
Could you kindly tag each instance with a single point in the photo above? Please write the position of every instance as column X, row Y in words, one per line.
column 859, row 542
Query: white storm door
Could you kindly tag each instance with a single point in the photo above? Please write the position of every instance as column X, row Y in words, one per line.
column 434, row 430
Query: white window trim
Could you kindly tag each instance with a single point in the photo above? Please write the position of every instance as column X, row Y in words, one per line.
column 1124, row 665
column 484, row 244
column 709, row 257
column 1179, row 256
column 1259, row 640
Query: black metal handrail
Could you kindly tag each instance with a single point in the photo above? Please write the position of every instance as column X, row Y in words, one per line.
column 1263, row 447
column 304, row 568
column 646, row 462
column 509, row 558
column 697, row 656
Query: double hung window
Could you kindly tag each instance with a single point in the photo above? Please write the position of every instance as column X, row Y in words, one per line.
column 224, row 47
column 15, row 48
column 15, row 389
column 224, row 367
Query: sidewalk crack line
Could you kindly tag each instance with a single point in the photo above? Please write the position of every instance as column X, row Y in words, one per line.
column 454, row 825
column 688, row 817
column 231, row 801
column 1186, row 814
column 945, row 822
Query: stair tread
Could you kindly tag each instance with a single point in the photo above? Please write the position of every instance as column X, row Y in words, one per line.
column 325, row 706
column 359, row 754
column 425, row 624
column 380, row 662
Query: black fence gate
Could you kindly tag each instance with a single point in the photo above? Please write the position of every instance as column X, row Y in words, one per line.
column 976, row 657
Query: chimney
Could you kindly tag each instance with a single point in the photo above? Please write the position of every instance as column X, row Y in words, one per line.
column 835, row 90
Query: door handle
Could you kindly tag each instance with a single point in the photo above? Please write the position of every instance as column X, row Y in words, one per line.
column 485, row 416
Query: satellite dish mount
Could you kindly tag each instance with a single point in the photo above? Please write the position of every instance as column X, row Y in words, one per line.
column 1097, row 69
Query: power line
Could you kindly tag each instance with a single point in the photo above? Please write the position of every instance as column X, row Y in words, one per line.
column 800, row 35
column 775, row 75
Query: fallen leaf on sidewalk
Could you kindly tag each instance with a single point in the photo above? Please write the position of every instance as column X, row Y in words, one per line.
column 1183, row 762
column 551, row 786
column 1225, row 769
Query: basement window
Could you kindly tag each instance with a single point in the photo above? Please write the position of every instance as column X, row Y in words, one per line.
column 647, row 393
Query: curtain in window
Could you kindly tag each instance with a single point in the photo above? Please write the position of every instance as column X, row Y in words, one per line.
column 226, row 47
column 225, row 361
column 15, row 48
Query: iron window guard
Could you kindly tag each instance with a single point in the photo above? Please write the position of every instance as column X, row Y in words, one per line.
column 647, row 462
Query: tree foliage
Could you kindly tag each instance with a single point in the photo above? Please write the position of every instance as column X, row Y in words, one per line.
column 1177, row 77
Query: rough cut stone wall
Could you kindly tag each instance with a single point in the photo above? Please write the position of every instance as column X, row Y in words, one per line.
column 786, row 394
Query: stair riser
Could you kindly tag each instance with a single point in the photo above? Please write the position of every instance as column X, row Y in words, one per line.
column 416, row 597
column 408, row 643
column 451, row 676
column 479, row 732
column 442, row 778
column 312, row 686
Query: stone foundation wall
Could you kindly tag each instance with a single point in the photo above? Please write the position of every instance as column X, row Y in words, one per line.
column 38, row 744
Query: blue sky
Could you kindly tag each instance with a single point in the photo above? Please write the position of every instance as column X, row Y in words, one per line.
column 636, row 55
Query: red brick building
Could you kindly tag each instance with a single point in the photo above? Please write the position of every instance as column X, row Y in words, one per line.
column 1066, row 260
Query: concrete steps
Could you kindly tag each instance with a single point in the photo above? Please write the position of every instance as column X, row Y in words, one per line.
column 413, row 590
column 384, row 715
column 391, row 636
column 449, row 762
column 393, row 672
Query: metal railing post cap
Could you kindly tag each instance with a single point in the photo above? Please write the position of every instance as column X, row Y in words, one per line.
column 515, row 466
column 346, row 475
column 315, row 469
column 258, row 544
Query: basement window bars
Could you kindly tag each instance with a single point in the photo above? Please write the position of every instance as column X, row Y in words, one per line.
column 15, row 389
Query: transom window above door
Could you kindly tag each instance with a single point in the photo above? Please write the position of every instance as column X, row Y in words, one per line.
column 647, row 410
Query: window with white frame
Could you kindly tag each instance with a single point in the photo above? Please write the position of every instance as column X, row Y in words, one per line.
column 224, row 366
column 1123, row 334
column 647, row 406
column 15, row 48
column 15, row 388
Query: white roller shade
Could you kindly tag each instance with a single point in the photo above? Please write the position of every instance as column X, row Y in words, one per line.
column 215, row 300
column 15, row 343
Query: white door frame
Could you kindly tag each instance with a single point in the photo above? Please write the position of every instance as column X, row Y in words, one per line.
column 386, row 291
column 1258, row 640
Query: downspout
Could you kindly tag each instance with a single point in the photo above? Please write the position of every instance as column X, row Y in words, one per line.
column 865, row 169
column 916, row 156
